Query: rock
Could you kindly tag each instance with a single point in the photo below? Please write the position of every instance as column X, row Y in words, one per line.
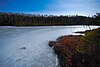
column 18, row 59
column 23, row 48
column 51, row 43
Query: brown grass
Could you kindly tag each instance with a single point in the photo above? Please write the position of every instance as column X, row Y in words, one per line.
column 65, row 47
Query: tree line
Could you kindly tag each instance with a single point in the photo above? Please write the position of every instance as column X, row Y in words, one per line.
column 21, row 19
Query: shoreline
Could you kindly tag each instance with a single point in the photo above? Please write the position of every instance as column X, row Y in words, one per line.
column 65, row 49
column 78, row 50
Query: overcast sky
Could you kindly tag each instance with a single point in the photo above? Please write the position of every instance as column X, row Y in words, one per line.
column 55, row 7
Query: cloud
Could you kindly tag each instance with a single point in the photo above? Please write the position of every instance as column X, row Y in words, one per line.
column 73, row 7
column 55, row 7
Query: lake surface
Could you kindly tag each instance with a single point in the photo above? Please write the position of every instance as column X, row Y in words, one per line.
column 28, row 46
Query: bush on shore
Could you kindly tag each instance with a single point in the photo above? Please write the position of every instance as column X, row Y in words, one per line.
column 77, row 50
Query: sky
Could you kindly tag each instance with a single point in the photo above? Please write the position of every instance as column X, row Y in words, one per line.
column 53, row 7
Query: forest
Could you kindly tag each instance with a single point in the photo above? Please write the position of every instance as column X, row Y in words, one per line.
column 21, row 19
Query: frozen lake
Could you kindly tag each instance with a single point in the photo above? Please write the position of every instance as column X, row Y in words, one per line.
column 28, row 46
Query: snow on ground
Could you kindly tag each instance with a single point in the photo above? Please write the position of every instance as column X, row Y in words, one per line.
column 28, row 46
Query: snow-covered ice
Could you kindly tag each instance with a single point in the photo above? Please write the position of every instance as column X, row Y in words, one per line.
column 28, row 46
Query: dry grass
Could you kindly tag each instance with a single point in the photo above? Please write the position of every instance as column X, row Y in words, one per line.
column 65, row 47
